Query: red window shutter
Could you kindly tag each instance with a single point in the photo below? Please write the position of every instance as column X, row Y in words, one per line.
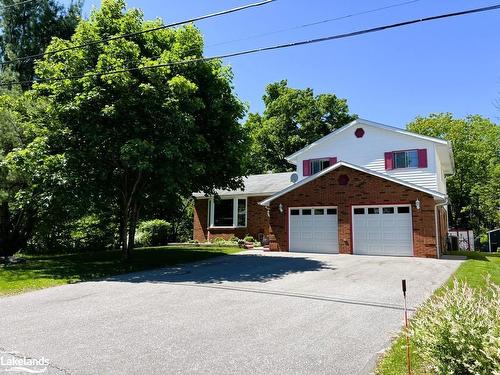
column 388, row 161
column 333, row 161
column 422, row 158
column 306, row 166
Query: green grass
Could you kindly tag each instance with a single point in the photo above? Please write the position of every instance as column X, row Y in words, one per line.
column 472, row 271
column 43, row 271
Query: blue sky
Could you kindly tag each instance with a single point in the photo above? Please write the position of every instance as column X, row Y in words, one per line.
column 450, row 65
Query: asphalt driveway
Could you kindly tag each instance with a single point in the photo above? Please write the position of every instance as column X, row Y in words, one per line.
column 250, row 313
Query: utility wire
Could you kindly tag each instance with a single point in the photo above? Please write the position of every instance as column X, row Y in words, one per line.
column 16, row 4
column 127, row 62
column 263, row 49
column 121, row 36
column 303, row 26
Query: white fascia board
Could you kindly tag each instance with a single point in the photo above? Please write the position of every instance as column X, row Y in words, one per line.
column 243, row 194
column 292, row 158
column 435, row 194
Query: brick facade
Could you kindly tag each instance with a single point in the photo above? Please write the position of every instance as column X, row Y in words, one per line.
column 257, row 221
column 361, row 189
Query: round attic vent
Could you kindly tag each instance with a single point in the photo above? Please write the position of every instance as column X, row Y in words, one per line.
column 359, row 133
column 343, row 179
column 294, row 177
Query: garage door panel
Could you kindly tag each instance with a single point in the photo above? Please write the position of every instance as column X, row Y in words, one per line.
column 382, row 231
column 317, row 232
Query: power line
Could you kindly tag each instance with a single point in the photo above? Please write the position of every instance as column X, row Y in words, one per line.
column 16, row 4
column 328, row 20
column 121, row 36
column 264, row 49
column 288, row 29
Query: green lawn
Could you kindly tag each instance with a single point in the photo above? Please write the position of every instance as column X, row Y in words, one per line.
column 472, row 271
column 43, row 271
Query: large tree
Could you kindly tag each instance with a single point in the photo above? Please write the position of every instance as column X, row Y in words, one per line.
column 143, row 133
column 26, row 28
column 292, row 119
column 474, row 188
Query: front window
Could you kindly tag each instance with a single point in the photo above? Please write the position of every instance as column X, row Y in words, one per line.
column 406, row 159
column 318, row 165
column 242, row 212
column 228, row 212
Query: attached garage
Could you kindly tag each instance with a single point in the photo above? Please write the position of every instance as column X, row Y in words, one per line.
column 370, row 213
column 314, row 230
column 382, row 230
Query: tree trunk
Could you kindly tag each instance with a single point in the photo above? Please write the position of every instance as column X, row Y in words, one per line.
column 123, row 233
column 15, row 230
column 4, row 229
column 134, row 216
column 129, row 213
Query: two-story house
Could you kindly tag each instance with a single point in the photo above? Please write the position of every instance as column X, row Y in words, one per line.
column 366, row 188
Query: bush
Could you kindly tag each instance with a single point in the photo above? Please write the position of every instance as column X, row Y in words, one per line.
column 88, row 233
column 219, row 241
column 153, row 233
column 458, row 331
column 249, row 238
column 234, row 239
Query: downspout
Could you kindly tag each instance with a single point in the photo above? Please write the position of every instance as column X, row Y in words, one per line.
column 436, row 218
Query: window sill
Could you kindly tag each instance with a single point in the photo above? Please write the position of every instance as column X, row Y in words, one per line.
column 404, row 168
column 231, row 227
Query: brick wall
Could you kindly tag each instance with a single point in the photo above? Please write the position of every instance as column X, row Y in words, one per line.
column 257, row 221
column 362, row 189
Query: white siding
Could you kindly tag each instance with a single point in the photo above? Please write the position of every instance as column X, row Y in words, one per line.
column 441, row 179
column 369, row 150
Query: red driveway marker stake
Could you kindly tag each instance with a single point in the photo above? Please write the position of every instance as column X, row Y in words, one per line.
column 408, row 356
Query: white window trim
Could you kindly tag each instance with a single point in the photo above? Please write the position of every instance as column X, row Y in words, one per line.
column 235, row 199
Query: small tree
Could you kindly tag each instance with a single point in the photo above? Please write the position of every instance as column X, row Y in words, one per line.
column 31, row 175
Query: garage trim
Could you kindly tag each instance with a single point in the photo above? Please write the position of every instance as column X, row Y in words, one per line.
column 288, row 220
column 385, row 204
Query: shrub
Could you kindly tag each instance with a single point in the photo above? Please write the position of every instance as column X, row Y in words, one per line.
column 249, row 238
column 457, row 332
column 88, row 233
column 153, row 233
column 219, row 241
column 234, row 239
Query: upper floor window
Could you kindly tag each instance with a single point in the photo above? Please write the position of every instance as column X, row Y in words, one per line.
column 406, row 159
column 318, row 165
column 313, row 166
column 228, row 212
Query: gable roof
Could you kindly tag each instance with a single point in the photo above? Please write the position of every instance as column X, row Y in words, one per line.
column 360, row 121
column 434, row 193
column 257, row 184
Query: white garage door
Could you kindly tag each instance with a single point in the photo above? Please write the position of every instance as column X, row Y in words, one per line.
column 382, row 230
column 314, row 230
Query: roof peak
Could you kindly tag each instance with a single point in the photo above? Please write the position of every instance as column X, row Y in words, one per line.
column 362, row 121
